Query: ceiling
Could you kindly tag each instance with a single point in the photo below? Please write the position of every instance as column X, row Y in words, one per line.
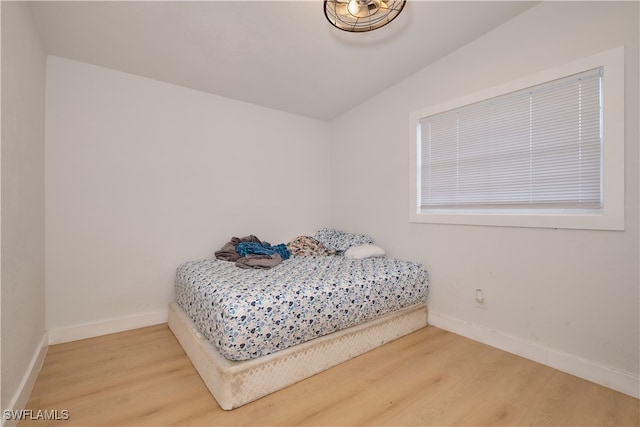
column 279, row 54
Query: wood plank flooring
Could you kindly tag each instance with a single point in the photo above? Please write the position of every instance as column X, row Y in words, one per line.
column 429, row 378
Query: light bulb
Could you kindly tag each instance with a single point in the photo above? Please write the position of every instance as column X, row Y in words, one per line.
column 353, row 7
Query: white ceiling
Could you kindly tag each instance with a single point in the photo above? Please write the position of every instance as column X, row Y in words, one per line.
column 278, row 54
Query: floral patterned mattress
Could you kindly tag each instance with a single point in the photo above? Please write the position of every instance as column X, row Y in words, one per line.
column 246, row 314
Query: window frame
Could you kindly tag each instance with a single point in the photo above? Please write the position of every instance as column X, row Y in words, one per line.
column 609, row 217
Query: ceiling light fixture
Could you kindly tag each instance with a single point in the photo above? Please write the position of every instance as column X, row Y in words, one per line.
column 362, row 15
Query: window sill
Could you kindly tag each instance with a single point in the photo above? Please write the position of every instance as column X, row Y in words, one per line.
column 595, row 220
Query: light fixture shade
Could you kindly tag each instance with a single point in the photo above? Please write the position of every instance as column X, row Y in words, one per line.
column 362, row 15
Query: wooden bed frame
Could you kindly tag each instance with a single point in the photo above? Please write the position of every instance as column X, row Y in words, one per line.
column 234, row 384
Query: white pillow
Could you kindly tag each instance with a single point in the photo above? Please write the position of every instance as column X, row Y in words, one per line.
column 364, row 251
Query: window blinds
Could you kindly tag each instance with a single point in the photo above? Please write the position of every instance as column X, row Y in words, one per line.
column 540, row 147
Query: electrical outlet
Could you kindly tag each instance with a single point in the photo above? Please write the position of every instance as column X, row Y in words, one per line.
column 481, row 300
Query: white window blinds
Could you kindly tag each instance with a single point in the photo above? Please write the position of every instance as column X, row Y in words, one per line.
column 540, row 147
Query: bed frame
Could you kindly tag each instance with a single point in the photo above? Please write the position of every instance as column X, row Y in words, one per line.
column 235, row 383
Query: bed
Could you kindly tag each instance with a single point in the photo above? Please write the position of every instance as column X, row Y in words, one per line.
column 252, row 332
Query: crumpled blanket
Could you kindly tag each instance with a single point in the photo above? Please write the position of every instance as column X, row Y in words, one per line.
column 253, row 253
column 255, row 248
column 259, row 261
column 308, row 246
column 228, row 251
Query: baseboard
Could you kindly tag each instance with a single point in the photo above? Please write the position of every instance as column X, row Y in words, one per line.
column 620, row 381
column 105, row 327
column 20, row 399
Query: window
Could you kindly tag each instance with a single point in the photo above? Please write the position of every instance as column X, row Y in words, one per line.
column 547, row 151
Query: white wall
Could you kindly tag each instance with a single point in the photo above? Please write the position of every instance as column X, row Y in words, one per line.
column 568, row 298
column 23, row 209
column 142, row 176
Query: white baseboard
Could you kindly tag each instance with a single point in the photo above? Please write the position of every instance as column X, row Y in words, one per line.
column 620, row 381
column 20, row 399
column 105, row 327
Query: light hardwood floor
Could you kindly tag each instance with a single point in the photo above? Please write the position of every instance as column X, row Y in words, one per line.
column 431, row 377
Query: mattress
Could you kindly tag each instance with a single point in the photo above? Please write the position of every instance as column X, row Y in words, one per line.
column 246, row 314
